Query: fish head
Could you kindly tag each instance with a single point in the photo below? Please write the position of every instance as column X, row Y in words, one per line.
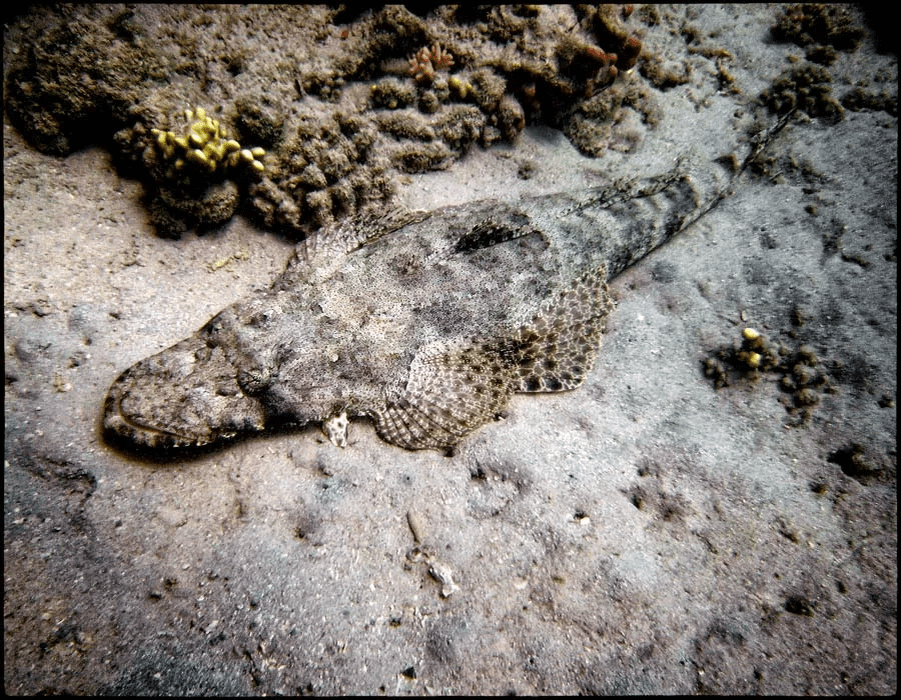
column 185, row 396
column 268, row 360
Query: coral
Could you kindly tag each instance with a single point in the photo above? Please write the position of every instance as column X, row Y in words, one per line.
column 391, row 93
column 166, row 222
column 806, row 88
column 426, row 61
column 824, row 55
column 326, row 85
column 587, row 65
column 666, row 74
column 192, row 168
column 816, row 23
column 258, row 123
column 611, row 32
column 331, row 170
column 858, row 99
column 60, row 109
column 312, row 177
column 460, row 125
column 801, row 375
column 202, row 145
column 215, row 205
column 273, row 206
column 422, row 157
column 407, row 124
column 429, row 102
column 103, row 74
column 603, row 122
column 459, row 87
column 319, row 202
column 511, row 118
column 486, row 87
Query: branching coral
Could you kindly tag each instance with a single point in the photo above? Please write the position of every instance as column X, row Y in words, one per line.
column 205, row 144
column 194, row 170
column 427, row 61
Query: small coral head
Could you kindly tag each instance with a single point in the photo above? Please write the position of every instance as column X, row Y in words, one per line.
column 205, row 144
column 427, row 60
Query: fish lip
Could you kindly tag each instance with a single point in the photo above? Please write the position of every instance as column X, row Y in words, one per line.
column 138, row 429
column 119, row 426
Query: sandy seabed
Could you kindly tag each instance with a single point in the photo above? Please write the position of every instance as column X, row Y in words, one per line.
column 646, row 533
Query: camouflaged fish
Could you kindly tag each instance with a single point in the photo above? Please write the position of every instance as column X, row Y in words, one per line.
column 425, row 323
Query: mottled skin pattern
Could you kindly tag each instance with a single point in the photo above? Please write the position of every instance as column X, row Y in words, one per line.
column 424, row 322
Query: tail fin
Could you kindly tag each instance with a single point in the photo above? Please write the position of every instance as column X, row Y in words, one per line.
column 632, row 219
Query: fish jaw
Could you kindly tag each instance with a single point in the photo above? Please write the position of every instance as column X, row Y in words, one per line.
column 185, row 396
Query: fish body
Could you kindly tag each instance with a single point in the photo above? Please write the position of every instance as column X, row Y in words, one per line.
column 424, row 322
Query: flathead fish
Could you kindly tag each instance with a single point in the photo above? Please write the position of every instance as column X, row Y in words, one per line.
column 424, row 322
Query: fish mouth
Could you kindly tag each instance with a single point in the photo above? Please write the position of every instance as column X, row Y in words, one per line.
column 132, row 428
column 185, row 396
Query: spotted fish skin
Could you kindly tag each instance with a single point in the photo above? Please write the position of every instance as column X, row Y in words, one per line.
column 426, row 323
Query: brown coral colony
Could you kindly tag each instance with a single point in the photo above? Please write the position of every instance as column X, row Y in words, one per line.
column 434, row 82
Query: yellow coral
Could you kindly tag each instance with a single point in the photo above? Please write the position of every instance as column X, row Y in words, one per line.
column 206, row 144
column 462, row 87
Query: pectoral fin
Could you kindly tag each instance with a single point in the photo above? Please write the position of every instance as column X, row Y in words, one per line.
column 449, row 392
column 453, row 388
column 556, row 349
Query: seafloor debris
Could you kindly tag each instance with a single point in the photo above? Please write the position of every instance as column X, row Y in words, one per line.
column 800, row 373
